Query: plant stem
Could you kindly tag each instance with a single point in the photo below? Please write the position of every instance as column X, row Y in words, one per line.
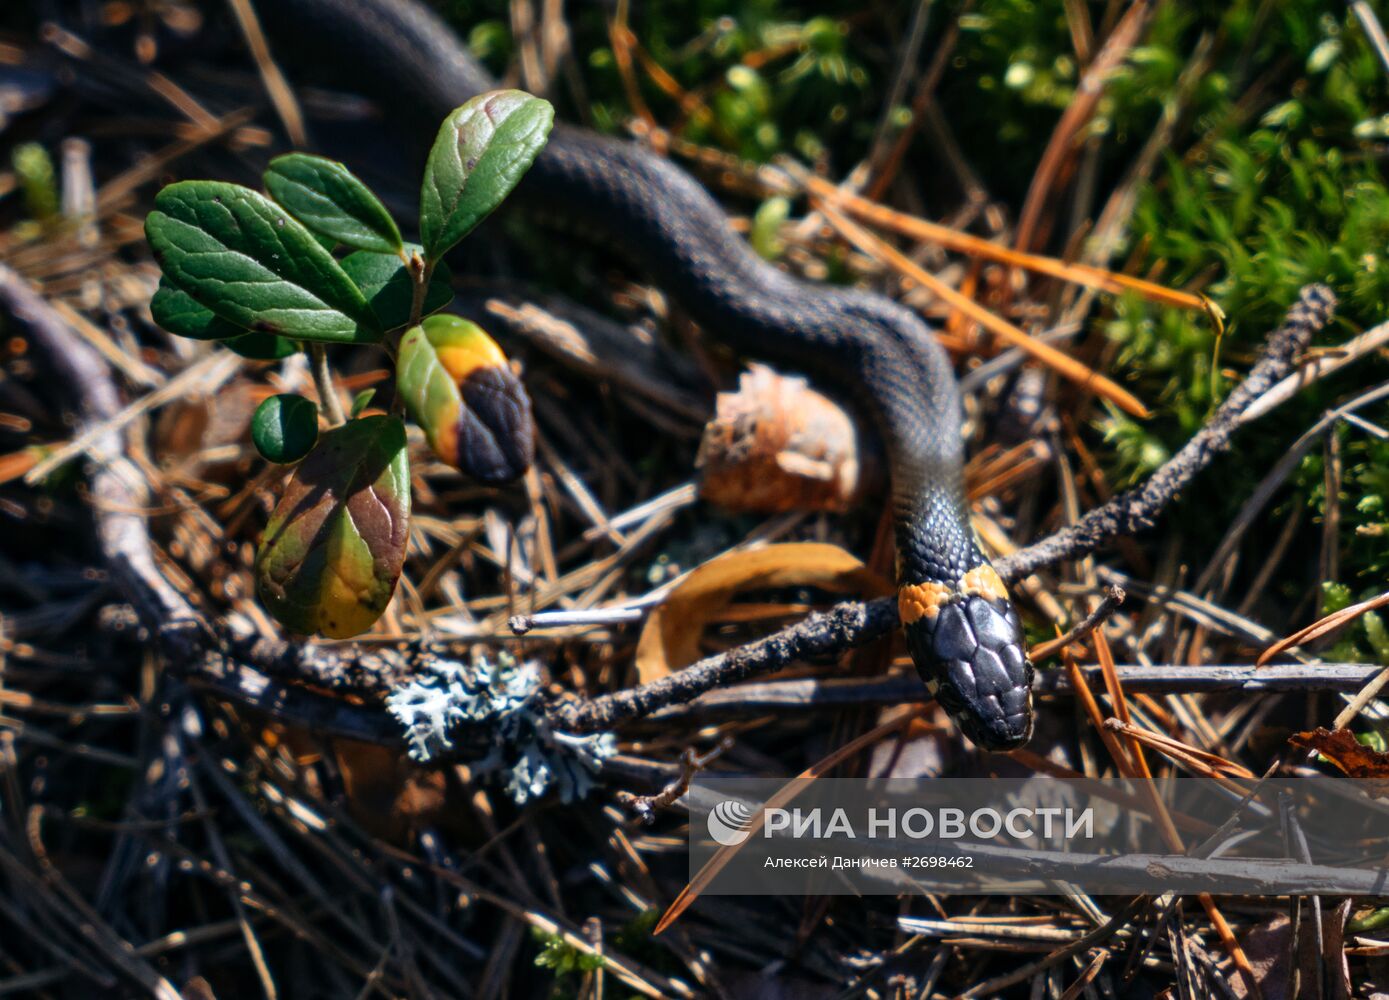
column 323, row 382
column 421, row 271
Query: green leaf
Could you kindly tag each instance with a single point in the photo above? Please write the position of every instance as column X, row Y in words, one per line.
column 483, row 149
column 361, row 401
column 388, row 287
column 176, row 311
column 247, row 260
column 284, row 428
column 326, row 197
column 1374, row 920
column 334, row 547
column 456, row 384
column 765, row 234
column 179, row 313
column 261, row 346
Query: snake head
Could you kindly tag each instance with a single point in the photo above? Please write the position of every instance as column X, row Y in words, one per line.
column 967, row 644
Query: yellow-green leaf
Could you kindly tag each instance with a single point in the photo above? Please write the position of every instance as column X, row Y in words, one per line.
column 334, row 547
column 457, row 385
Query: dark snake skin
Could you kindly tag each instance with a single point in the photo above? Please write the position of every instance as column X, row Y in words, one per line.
column 971, row 653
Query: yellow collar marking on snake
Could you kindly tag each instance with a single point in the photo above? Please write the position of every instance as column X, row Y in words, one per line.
column 924, row 600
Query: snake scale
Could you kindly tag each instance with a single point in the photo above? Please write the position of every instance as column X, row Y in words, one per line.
column 961, row 628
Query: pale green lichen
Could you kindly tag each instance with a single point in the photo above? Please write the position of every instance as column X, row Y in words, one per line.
column 500, row 703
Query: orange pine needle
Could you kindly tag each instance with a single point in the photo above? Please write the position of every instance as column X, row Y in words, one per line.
column 1059, row 361
column 17, row 463
column 623, row 42
column 1202, row 762
column 1169, row 830
column 792, row 789
column 1324, row 626
column 933, row 232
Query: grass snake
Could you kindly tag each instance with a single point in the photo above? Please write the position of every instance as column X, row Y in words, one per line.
column 962, row 630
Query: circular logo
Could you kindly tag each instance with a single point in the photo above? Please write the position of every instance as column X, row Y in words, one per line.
column 729, row 822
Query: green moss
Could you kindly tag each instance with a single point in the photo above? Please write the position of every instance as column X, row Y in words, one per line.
column 1250, row 212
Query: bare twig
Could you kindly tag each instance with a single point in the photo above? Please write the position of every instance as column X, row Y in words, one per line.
column 691, row 764
column 821, row 634
column 1114, row 596
column 522, row 624
column 1138, row 508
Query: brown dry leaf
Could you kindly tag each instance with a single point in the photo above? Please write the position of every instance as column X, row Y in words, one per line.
column 1349, row 755
column 670, row 640
column 388, row 794
column 777, row 445
column 194, row 424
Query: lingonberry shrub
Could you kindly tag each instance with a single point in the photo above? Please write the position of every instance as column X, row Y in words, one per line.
column 318, row 261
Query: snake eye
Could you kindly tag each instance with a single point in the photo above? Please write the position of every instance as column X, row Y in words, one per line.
column 971, row 656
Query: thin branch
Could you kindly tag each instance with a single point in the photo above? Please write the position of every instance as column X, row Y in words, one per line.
column 809, row 694
column 1113, row 597
column 1137, row 509
column 522, row 624
column 822, row 633
column 116, row 484
column 691, row 763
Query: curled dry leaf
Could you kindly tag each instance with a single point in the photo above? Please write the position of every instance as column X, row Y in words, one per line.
column 670, row 639
column 334, row 547
column 1348, row 755
column 777, row 445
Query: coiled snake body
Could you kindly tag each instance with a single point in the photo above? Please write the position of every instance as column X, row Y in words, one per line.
column 963, row 633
